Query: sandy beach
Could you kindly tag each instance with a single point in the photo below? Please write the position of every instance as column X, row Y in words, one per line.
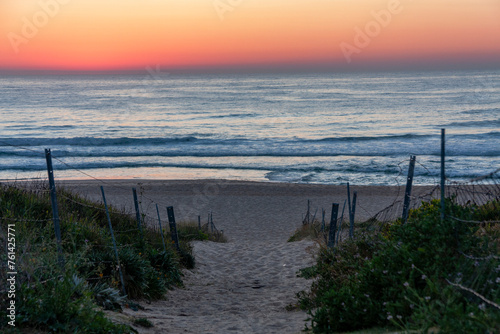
column 244, row 285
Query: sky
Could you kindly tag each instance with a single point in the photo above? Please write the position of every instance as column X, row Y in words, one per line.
column 104, row 35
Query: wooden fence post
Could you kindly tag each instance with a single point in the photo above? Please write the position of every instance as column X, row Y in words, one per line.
column 212, row 221
column 137, row 212
column 340, row 224
column 333, row 225
column 323, row 220
column 354, row 199
column 351, row 217
column 161, row 230
column 114, row 242
column 409, row 182
column 55, row 210
column 443, row 176
column 308, row 213
column 173, row 227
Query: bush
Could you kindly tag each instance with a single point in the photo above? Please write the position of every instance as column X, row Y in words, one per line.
column 167, row 264
column 52, row 299
column 62, row 305
column 405, row 276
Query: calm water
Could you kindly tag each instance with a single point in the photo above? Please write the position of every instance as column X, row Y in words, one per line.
column 316, row 128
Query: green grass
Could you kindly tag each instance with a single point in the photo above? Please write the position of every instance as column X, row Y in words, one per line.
column 143, row 322
column 311, row 231
column 190, row 231
column 51, row 298
column 416, row 277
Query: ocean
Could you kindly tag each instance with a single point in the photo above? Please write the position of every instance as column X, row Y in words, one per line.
column 305, row 128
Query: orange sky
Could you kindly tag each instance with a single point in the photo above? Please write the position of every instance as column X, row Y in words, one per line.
column 133, row 34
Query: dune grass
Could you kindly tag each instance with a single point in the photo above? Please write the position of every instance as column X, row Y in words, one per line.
column 70, row 297
column 190, row 231
column 426, row 276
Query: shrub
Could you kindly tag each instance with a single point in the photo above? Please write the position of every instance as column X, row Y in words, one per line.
column 62, row 305
column 52, row 298
column 405, row 276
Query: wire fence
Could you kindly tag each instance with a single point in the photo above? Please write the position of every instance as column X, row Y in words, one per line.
column 82, row 225
column 129, row 235
column 477, row 191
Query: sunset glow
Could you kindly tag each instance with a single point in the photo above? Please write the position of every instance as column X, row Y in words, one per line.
column 112, row 34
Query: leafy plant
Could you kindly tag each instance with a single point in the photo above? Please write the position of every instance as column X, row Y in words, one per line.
column 417, row 276
column 68, row 299
column 62, row 305
column 143, row 322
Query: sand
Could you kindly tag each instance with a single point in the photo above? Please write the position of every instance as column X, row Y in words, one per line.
column 244, row 285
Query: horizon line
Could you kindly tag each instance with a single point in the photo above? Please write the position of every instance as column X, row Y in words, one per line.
column 281, row 68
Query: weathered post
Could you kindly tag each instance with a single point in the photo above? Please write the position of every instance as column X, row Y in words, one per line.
column 161, row 230
column 409, row 182
column 308, row 213
column 443, row 176
column 114, row 242
column 351, row 217
column 340, row 224
column 211, row 221
column 55, row 210
column 323, row 220
column 137, row 211
column 333, row 225
column 173, row 227
column 354, row 199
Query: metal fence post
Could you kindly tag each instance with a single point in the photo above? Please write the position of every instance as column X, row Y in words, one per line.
column 409, row 182
column 173, row 227
column 333, row 225
column 55, row 210
column 114, row 242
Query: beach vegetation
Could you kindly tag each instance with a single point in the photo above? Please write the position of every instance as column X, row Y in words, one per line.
column 190, row 231
column 428, row 275
column 310, row 231
column 70, row 295
column 143, row 322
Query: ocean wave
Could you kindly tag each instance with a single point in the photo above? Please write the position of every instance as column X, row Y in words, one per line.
column 94, row 141
column 291, row 153
column 481, row 111
column 158, row 141
column 373, row 138
column 487, row 123
column 487, row 145
column 233, row 115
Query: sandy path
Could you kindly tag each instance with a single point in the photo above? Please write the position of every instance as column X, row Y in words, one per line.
column 242, row 286
column 236, row 288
